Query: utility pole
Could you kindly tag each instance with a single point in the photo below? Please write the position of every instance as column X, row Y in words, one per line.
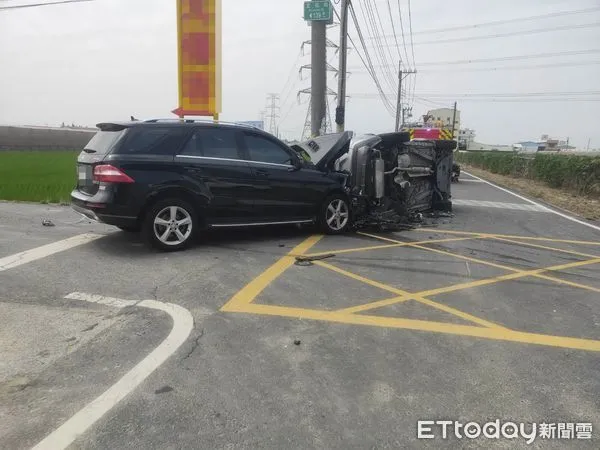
column 588, row 144
column 272, row 112
column 453, row 120
column 399, row 109
column 318, row 75
column 340, row 111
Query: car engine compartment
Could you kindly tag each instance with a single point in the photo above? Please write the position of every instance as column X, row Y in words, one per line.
column 390, row 180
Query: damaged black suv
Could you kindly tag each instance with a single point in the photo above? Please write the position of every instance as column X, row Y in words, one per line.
column 171, row 178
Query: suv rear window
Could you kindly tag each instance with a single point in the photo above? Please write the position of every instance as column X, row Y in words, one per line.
column 103, row 141
column 153, row 141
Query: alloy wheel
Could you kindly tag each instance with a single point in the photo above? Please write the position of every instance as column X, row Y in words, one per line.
column 337, row 214
column 172, row 225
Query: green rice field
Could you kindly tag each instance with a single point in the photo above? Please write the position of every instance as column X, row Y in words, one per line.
column 37, row 176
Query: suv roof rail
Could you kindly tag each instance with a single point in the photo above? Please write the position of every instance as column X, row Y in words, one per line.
column 202, row 121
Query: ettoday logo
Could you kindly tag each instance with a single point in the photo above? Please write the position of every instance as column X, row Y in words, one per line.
column 431, row 429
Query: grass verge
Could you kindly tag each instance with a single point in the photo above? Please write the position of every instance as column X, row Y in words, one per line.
column 37, row 176
column 581, row 205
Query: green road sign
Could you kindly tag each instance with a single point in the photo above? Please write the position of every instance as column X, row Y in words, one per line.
column 318, row 10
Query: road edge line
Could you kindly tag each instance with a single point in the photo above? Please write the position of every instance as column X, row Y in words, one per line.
column 183, row 323
column 533, row 202
column 33, row 254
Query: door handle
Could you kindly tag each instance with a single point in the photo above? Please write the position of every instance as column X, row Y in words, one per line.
column 262, row 173
column 193, row 169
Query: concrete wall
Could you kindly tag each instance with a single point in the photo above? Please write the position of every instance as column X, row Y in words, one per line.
column 42, row 138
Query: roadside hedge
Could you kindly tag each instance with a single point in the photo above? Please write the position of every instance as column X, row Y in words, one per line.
column 576, row 173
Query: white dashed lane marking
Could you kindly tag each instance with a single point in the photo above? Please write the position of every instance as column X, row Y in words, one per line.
column 500, row 205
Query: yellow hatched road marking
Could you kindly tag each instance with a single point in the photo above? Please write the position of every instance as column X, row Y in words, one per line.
column 405, row 295
column 508, row 236
column 242, row 302
column 503, row 267
column 256, row 286
column 397, row 244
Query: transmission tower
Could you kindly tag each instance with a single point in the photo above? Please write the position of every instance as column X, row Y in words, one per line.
column 272, row 113
column 326, row 124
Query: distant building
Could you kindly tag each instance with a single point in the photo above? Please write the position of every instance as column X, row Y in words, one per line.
column 545, row 144
column 466, row 137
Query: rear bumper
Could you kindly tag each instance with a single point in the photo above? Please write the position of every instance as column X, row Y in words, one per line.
column 94, row 209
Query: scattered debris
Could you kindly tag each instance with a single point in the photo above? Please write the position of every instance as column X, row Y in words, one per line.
column 71, row 339
column 282, row 245
column 163, row 389
column 91, row 327
column 15, row 385
column 297, row 342
column 307, row 260
column 47, row 223
column 438, row 214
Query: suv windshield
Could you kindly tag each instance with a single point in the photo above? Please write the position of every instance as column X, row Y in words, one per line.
column 103, row 141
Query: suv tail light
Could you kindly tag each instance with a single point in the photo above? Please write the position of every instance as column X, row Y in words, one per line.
column 110, row 174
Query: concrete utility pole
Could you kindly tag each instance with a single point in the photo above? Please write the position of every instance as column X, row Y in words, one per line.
column 454, row 120
column 399, row 108
column 272, row 113
column 340, row 111
column 318, row 75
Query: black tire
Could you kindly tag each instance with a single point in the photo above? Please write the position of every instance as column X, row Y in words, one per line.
column 154, row 233
column 130, row 229
column 338, row 225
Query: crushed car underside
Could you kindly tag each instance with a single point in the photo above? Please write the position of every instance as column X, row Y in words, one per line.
column 390, row 179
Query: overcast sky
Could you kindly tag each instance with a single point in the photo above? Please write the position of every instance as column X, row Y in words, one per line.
column 109, row 59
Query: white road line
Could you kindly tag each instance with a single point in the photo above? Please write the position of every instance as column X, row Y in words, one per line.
column 102, row 300
column 565, row 216
column 18, row 259
column 468, row 180
column 501, row 205
column 183, row 323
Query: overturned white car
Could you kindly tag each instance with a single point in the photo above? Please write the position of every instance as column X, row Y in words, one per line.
column 388, row 178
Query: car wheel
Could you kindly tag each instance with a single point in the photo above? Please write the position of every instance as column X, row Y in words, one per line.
column 129, row 229
column 334, row 216
column 170, row 225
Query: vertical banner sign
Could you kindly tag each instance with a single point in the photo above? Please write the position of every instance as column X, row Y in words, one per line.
column 199, row 57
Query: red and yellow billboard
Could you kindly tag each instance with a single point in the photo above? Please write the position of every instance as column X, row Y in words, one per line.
column 199, row 57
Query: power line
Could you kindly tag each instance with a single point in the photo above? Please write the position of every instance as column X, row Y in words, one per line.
column 394, row 30
column 379, row 52
column 374, row 3
column 368, row 63
column 444, row 95
column 509, row 58
column 34, row 5
column 494, row 69
column 508, row 21
column 412, row 49
column 511, row 33
column 499, row 100
column 402, row 30
column 507, row 94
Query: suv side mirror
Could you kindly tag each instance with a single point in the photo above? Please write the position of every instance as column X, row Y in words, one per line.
column 296, row 164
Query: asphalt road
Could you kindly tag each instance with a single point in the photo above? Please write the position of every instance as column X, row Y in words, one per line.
column 493, row 314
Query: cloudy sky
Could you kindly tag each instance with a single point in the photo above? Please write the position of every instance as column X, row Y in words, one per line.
column 109, row 59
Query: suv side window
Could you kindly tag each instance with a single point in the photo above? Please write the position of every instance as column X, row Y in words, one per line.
column 265, row 150
column 213, row 143
column 153, row 141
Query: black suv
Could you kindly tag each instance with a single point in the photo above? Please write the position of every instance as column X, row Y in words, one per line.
column 171, row 178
